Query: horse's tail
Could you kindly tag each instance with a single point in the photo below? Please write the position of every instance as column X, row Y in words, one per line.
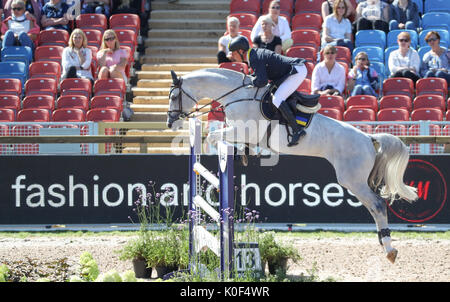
column 389, row 168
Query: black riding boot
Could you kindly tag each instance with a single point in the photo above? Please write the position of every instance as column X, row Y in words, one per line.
column 297, row 130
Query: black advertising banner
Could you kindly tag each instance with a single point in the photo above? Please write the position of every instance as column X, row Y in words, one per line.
column 102, row 189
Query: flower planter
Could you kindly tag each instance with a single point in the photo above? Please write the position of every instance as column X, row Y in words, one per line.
column 162, row 270
column 279, row 265
column 140, row 269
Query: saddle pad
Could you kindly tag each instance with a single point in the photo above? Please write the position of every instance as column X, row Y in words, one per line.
column 270, row 112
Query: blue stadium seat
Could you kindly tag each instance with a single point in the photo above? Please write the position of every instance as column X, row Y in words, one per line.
column 442, row 33
column 15, row 70
column 379, row 68
column 437, row 6
column 436, row 20
column 423, row 50
column 375, row 54
column 391, row 39
column 17, row 53
column 419, row 5
column 370, row 38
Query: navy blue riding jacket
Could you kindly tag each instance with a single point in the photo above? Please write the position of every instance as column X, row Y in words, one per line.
column 269, row 65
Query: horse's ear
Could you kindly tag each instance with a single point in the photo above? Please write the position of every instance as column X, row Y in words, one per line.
column 175, row 79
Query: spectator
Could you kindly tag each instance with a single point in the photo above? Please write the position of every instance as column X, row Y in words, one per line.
column 32, row 8
column 77, row 57
column 327, row 9
column 266, row 38
column 96, row 7
column 19, row 29
column 362, row 79
column 54, row 15
column 337, row 30
column 112, row 60
column 435, row 63
column 405, row 15
column 224, row 54
column 372, row 14
column 404, row 62
column 141, row 8
column 281, row 27
column 328, row 76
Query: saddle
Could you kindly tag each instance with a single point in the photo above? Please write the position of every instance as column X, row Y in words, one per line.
column 304, row 107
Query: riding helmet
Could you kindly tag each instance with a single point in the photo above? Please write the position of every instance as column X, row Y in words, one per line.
column 240, row 42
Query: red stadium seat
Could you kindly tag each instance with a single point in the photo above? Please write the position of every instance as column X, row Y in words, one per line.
column 403, row 86
column 236, row 66
column 308, row 6
column 45, row 69
column 127, row 38
column 111, row 86
column 364, row 128
column 246, row 20
column 286, row 7
column 103, row 115
column 55, row 37
column 10, row 87
column 107, row 101
column 69, row 115
column 76, row 86
column 247, row 33
column 308, row 53
column 310, row 68
column 390, row 114
column 216, row 113
column 367, row 101
column 332, row 101
column 394, row 129
column 305, row 86
column 39, row 101
column 432, row 86
column 48, row 53
column 427, row 114
column 447, row 115
column 333, row 113
column 41, row 86
column 429, row 101
column 396, row 101
column 73, row 102
column 92, row 21
column 7, row 115
column 125, row 21
column 306, row 37
column 359, row 115
column 245, row 6
column 10, row 102
column 33, row 115
column 342, row 55
column 94, row 37
column 307, row 21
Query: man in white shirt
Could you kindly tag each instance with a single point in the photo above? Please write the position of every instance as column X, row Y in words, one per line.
column 328, row 77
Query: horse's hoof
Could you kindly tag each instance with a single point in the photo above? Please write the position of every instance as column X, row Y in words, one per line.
column 392, row 255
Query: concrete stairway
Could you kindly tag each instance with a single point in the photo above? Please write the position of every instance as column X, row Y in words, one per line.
column 182, row 37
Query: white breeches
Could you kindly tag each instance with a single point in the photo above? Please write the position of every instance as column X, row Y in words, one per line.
column 289, row 85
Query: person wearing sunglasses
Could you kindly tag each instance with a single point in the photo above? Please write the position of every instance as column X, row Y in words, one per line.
column 32, row 9
column 328, row 6
column 405, row 15
column 435, row 63
column 337, row 29
column 328, row 76
column 281, row 26
column 405, row 61
column 362, row 79
column 112, row 59
column 54, row 15
column 19, row 29
column 285, row 73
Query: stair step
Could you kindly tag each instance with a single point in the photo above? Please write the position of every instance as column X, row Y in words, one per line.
column 186, row 33
column 157, row 74
column 164, row 83
column 139, row 91
column 192, row 5
column 146, row 59
column 178, row 67
column 184, row 23
column 189, row 14
column 181, row 50
column 193, row 42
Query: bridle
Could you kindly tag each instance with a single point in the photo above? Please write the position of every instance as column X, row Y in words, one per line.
column 182, row 115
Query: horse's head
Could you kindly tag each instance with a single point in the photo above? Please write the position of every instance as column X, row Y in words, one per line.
column 178, row 109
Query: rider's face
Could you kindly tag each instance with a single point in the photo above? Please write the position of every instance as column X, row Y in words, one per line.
column 237, row 55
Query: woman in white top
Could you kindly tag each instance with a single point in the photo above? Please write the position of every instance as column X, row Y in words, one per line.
column 224, row 54
column 281, row 25
column 337, row 30
column 77, row 57
column 372, row 14
column 266, row 39
column 328, row 77
column 404, row 62
column 327, row 8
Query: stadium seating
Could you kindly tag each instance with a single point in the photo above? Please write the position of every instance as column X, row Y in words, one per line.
column 375, row 53
column 305, row 86
column 309, row 67
column 306, row 37
column 436, row 20
column 332, row 113
column 92, row 21
column 308, row 6
column 443, row 33
column 103, row 114
column 403, row 86
column 393, row 114
column 40, row 86
column 432, row 86
column 33, row 115
column 7, row 115
column 391, row 38
column 246, row 20
column 437, row 6
column 69, row 115
column 10, row 86
column 342, row 55
column 395, row 102
column 427, row 114
column 365, row 101
column 48, row 53
column 370, row 37
column 73, row 101
column 45, row 69
column 332, row 101
column 39, row 102
column 107, row 101
column 94, row 37
column 308, row 53
column 17, row 54
column 357, row 114
column 306, row 21
column 125, row 21
column 245, row 6
column 76, row 87
column 10, row 102
column 286, row 7
column 14, row 70
column 429, row 101
column 236, row 66
column 53, row 37
column 111, row 86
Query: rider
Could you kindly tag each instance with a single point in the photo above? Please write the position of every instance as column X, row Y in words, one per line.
column 285, row 72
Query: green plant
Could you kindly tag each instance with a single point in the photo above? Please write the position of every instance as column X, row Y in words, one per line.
column 168, row 248
column 89, row 267
column 4, row 273
column 274, row 252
